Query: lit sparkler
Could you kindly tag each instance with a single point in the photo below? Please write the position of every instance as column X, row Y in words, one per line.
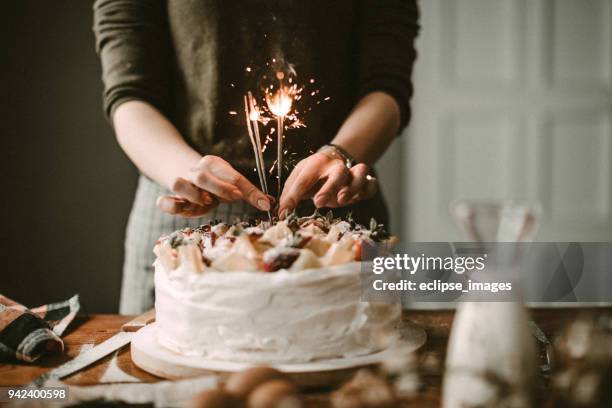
column 279, row 103
column 280, row 98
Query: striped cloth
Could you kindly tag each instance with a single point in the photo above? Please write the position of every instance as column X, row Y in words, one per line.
column 145, row 225
column 27, row 334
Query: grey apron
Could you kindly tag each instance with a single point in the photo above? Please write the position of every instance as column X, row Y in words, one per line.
column 145, row 225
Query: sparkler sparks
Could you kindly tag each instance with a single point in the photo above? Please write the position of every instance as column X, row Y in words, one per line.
column 279, row 103
column 280, row 97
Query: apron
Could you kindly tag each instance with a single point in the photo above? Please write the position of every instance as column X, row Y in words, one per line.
column 145, row 225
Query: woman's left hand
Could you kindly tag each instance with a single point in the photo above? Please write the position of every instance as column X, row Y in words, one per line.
column 328, row 181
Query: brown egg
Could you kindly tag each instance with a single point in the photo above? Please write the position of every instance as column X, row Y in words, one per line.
column 275, row 394
column 243, row 382
column 216, row 399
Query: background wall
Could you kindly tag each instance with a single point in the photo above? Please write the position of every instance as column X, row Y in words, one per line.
column 67, row 186
column 513, row 102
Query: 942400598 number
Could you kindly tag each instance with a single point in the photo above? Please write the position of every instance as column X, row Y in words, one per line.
column 44, row 393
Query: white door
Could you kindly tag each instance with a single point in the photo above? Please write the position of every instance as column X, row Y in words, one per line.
column 513, row 101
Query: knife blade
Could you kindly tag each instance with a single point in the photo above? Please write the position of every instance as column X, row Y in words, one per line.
column 548, row 352
column 97, row 352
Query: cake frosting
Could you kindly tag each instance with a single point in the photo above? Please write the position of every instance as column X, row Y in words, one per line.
column 260, row 293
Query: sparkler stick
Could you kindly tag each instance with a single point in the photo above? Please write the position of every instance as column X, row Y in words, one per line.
column 253, row 130
column 254, row 116
column 279, row 99
column 279, row 154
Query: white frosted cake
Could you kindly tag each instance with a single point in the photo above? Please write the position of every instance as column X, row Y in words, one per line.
column 259, row 293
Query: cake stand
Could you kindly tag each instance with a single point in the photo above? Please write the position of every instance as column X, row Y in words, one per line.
column 154, row 358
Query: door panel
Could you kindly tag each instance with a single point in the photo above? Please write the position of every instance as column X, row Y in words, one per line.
column 513, row 101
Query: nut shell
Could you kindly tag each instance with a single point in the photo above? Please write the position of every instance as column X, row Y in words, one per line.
column 275, row 394
column 216, row 399
column 243, row 382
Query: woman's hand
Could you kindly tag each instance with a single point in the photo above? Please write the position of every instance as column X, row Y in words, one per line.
column 177, row 205
column 328, row 182
column 211, row 181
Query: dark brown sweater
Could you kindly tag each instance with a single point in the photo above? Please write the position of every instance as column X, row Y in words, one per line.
column 188, row 59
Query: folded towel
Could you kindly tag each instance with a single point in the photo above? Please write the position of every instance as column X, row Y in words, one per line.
column 27, row 334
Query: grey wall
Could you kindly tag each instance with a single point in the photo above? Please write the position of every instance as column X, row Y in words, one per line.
column 513, row 102
column 68, row 187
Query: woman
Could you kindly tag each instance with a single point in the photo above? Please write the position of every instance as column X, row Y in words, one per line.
column 173, row 70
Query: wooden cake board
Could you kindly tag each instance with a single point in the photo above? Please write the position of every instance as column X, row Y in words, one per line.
column 152, row 357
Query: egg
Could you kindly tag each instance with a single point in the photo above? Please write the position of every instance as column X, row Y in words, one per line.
column 243, row 382
column 216, row 399
column 275, row 394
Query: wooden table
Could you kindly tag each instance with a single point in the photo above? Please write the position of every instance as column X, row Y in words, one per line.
column 97, row 328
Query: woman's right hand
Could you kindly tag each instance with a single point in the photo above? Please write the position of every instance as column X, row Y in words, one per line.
column 211, row 181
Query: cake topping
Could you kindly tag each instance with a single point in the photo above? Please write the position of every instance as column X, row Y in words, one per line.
column 279, row 258
column 294, row 244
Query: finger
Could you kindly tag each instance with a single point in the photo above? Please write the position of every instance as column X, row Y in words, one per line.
column 337, row 178
column 300, row 189
column 286, row 203
column 178, row 206
column 203, row 179
column 192, row 210
column 249, row 192
column 359, row 173
column 369, row 190
column 170, row 204
column 292, row 177
column 203, row 175
column 191, row 193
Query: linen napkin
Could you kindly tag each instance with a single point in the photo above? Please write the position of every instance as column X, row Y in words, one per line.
column 27, row 334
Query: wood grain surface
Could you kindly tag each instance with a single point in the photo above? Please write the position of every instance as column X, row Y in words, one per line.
column 95, row 329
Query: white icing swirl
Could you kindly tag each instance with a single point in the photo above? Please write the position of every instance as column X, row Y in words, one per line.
column 275, row 317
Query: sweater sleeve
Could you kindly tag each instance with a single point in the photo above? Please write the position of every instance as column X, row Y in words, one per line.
column 133, row 42
column 388, row 29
